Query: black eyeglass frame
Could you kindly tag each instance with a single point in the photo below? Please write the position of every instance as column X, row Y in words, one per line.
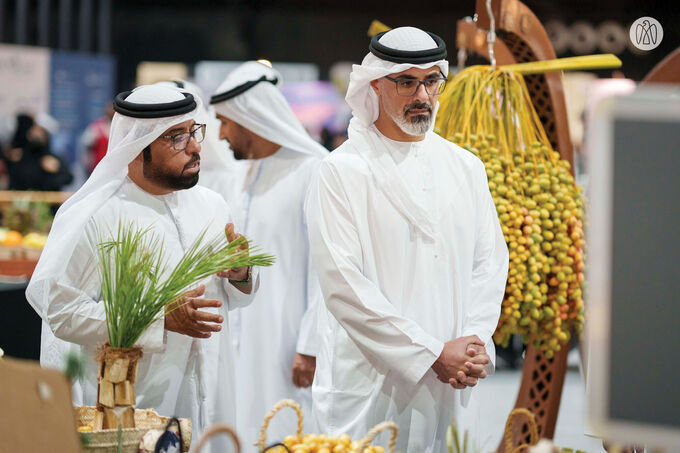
column 192, row 134
column 439, row 91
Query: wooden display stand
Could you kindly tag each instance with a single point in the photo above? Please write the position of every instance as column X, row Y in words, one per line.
column 10, row 196
column 521, row 38
column 667, row 71
column 16, row 261
column 19, row 262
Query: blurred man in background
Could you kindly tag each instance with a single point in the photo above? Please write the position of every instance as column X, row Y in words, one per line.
column 95, row 139
column 276, row 336
column 30, row 164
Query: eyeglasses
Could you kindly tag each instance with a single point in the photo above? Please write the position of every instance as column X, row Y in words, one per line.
column 407, row 86
column 181, row 141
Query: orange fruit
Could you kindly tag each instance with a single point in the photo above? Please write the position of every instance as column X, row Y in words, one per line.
column 13, row 238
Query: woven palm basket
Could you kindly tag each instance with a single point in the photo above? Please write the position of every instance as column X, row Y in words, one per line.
column 106, row 441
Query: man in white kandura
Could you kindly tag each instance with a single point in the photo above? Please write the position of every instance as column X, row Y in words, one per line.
column 409, row 253
column 276, row 335
column 148, row 175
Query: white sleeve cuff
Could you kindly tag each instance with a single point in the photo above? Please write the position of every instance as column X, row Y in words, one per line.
column 306, row 348
column 424, row 361
column 153, row 340
column 238, row 299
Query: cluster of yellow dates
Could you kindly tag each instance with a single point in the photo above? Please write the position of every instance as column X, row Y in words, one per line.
column 491, row 114
column 321, row 443
column 541, row 213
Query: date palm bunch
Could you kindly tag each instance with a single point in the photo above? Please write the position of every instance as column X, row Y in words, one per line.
column 491, row 114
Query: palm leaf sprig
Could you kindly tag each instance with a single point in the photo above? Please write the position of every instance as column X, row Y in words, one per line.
column 135, row 289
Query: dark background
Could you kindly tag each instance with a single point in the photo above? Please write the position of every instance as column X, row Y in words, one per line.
column 321, row 31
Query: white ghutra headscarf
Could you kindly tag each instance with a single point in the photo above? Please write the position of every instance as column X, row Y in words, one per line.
column 391, row 52
column 250, row 97
column 141, row 117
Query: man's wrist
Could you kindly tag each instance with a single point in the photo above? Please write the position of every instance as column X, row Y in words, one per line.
column 248, row 280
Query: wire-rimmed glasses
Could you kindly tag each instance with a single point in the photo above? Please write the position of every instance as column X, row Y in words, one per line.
column 408, row 86
column 181, row 141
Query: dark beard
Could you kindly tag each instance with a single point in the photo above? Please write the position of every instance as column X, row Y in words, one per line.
column 238, row 155
column 171, row 181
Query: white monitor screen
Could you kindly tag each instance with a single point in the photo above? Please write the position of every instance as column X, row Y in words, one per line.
column 633, row 286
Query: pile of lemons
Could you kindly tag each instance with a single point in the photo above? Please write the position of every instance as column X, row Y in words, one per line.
column 15, row 238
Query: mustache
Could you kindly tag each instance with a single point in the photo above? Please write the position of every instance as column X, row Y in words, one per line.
column 194, row 159
column 419, row 106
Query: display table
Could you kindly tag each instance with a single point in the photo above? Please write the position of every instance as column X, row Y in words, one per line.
column 17, row 263
column 19, row 324
column 11, row 196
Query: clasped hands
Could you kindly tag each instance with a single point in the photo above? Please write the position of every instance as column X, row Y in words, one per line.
column 462, row 362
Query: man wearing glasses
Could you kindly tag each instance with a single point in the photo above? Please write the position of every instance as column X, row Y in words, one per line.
column 148, row 176
column 410, row 257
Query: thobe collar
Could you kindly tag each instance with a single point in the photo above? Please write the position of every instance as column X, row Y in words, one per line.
column 399, row 149
column 374, row 148
column 169, row 199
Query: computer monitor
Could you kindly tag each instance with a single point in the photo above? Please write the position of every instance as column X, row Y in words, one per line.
column 633, row 269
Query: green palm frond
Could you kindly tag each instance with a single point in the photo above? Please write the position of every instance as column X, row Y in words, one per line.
column 453, row 441
column 132, row 268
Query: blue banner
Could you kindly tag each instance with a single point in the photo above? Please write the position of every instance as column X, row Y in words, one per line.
column 81, row 86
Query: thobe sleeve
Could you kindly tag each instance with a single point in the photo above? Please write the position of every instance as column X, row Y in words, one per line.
column 360, row 307
column 489, row 272
column 74, row 311
column 307, row 338
column 236, row 298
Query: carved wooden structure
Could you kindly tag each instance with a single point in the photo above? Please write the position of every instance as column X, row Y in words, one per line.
column 667, row 71
column 521, row 38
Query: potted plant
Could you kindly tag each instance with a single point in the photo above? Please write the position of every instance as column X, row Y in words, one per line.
column 138, row 289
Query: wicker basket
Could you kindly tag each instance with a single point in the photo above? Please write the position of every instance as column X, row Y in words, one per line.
column 106, row 441
column 511, row 428
column 362, row 444
column 217, row 429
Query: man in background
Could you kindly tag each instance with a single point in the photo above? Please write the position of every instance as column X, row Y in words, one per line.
column 95, row 139
column 276, row 336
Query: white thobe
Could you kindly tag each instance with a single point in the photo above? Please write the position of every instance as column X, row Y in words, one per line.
column 178, row 375
column 396, row 295
column 282, row 319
